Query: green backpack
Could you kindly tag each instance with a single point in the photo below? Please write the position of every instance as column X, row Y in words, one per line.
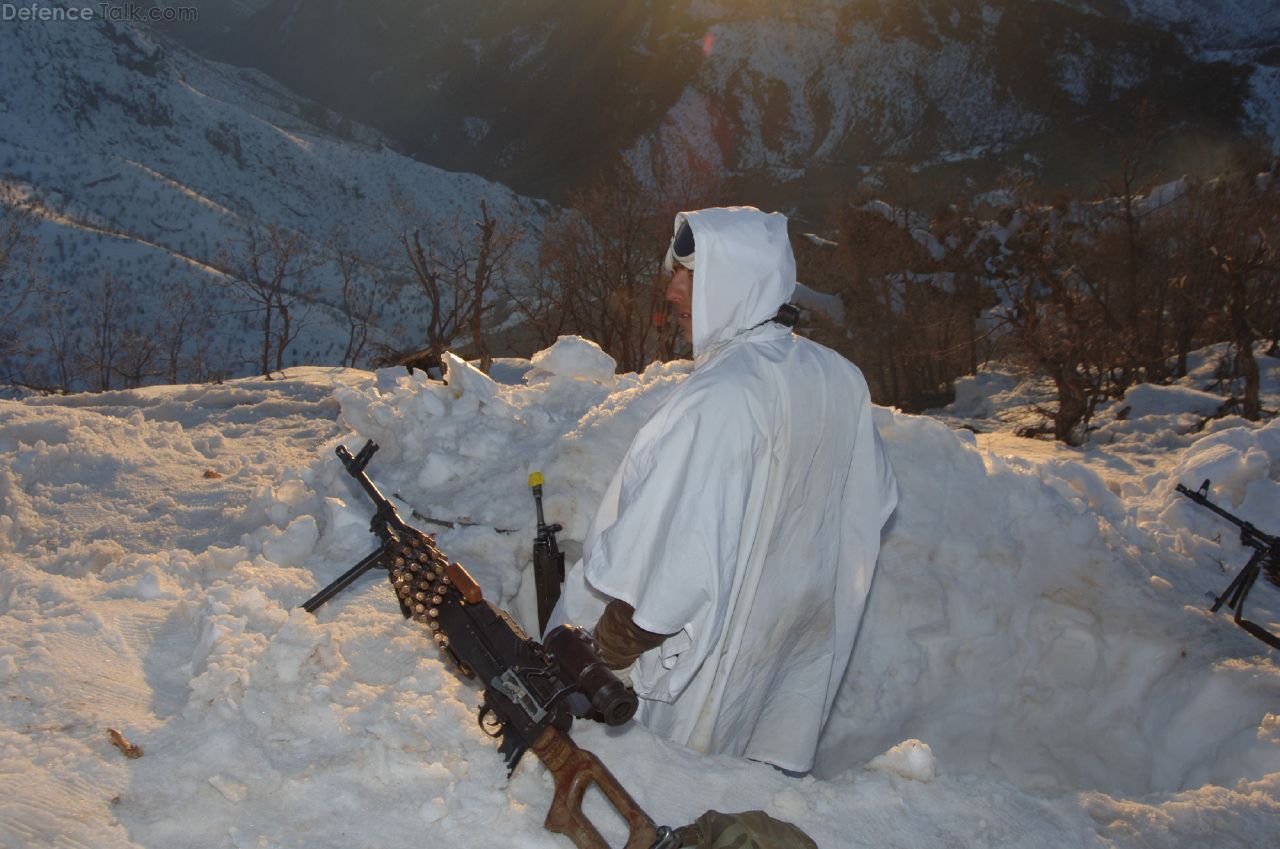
column 747, row 830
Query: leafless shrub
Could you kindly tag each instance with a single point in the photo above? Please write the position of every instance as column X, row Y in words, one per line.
column 268, row 269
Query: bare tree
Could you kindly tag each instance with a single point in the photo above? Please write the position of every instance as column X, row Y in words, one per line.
column 1246, row 264
column 98, row 355
column 138, row 357
column 457, row 273
column 873, row 256
column 599, row 271
column 1132, row 293
column 1048, row 310
column 20, row 279
column 1198, row 220
column 360, row 298
column 114, row 350
column 182, row 333
column 267, row 268
column 60, row 344
column 494, row 246
column 912, row 291
column 537, row 301
column 966, row 346
column 445, row 311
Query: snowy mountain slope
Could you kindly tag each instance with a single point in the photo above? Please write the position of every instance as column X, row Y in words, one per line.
column 524, row 91
column 1215, row 24
column 146, row 162
column 808, row 91
column 1037, row 625
column 800, row 96
column 844, row 85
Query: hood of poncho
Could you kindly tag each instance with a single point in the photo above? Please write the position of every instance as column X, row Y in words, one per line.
column 744, row 272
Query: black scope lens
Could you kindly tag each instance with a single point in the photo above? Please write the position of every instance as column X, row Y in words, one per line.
column 576, row 654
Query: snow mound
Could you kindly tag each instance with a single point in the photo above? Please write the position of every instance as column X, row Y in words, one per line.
column 573, row 356
column 1147, row 399
column 977, row 395
column 1013, row 627
column 910, row 759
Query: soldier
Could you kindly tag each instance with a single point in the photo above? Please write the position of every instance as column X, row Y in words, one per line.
column 728, row 565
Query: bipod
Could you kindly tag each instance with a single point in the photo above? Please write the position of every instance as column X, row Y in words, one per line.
column 1238, row 590
column 1266, row 555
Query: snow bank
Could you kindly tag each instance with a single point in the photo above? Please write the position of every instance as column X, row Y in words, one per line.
column 1013, row 629
column 1036, row 666
column 1006, row 600
column 980, row 395
column 573, row 356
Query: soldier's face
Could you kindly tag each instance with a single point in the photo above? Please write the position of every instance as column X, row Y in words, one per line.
column 680, row 294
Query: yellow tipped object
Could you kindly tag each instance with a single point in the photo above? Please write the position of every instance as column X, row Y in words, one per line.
column 536, row 479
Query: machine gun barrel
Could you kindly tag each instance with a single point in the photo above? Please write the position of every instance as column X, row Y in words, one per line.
column 355, row 466
column 1249, row 534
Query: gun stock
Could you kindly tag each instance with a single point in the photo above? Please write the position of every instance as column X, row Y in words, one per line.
column 575, row 770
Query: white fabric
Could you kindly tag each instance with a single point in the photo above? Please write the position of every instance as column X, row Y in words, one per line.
column 745, row 518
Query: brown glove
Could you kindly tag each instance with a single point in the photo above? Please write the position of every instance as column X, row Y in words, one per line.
column 619, row 640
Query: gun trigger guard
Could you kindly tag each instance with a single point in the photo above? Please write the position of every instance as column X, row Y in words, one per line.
column 489, row 720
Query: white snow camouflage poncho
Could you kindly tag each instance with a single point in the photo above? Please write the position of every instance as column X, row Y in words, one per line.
column 745, row 518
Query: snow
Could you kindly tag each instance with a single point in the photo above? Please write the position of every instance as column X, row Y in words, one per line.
column 146, row 160
column 829, row 86
column 1148, row 399
column 573, row 356
column 1214, row 22
column 909, row 759
column 822, row 303
column 1037, row 665
column 1264, row 86
column 980, row 395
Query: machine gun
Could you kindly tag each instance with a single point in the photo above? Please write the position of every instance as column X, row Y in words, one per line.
column 527, row 684
column 1266, row 556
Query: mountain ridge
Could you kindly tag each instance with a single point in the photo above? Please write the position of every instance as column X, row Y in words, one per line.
column 540, row 94
column 144, row 165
